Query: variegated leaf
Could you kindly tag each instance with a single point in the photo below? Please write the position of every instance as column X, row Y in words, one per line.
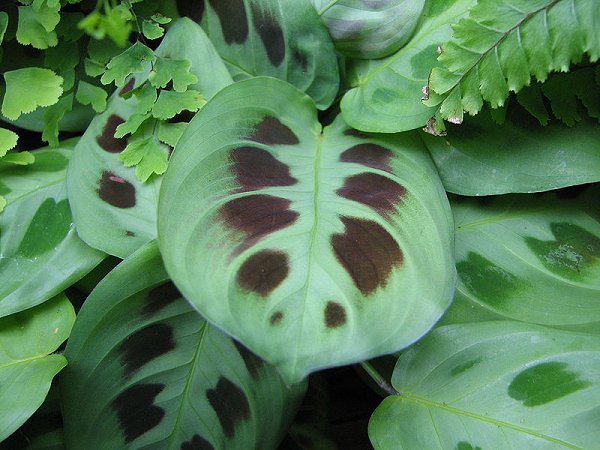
column 369, row 29
column 315, row 247
column 40, row 252
column 155, row 374
column 282, row 39
column 113, row 210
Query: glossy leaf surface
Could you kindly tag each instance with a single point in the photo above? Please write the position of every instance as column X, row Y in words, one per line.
column 155, row 374
column 27, row 366
column 493, row 385
column 370, row 29
column 314, row 247
column 480, row 157
column 531, row 258
column 113, row 210
column 40, row 252
column 277, row 38
column 386, row 94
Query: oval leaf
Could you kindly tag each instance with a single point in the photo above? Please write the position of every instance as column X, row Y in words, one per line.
column 493, row 385
column 518, row 156
column 40, row 252
column 153, row 373
column 308, row 234
column 277, row 38
column 370, row 29
column 27, row 366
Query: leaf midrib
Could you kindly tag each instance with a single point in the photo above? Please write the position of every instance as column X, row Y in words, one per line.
column 26, row 360
column 421, row 401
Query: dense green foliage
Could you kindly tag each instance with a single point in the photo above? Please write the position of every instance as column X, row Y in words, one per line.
column 240, row 197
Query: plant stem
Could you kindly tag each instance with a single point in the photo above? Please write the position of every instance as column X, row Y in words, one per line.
column 378, row 379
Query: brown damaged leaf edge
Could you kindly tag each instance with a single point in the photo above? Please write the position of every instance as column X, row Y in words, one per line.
column 262, row 272
column 107, row 140
column 367, row 252
column 373, row 190
column 369, row 155
column 270, row 131
column 116, row 191
column 255, row 168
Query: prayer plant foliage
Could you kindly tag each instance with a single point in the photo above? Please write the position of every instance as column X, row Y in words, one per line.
column 299, row 221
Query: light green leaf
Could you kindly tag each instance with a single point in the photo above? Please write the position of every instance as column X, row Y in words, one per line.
column 169, row 133
column 28, row 88
column 41, row 253
column 493, row 385
column 518, row 256
column 480, row 157
column 53, row 115
column 2, row 203
column 127, row 63
column 166, row 69
column 369, row 30
column 160, row 19
column 267, row 227
column 171, row 103
column 27, row 362
column 36, row 25
column 3, row 24
column 148, row 156
column 88, row 94
column 277, row 38
column 152, row 30
column 386, row 94
column 8, row 140
column 197, row 387
column 503, row 43
column 63, row 57
column 18, row 158
column 115, row 24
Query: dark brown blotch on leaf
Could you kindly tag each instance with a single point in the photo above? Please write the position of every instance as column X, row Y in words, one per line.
column 335, row 315
column 230, row 404
column 160, row 297
column 255, row 168
column 368, row 253
column 128, row 87
column 252, row 362
column 145, row 345
column 234, row 22
column 373, row 190
column 270, row 34
column 136, row 411
column 262, row 272
column 116, row 191
column 107, row 140
column 196, row 443
column 276, row 318
column 270, row 131
column 369, row 155
column 301, row 59
column 356, row 133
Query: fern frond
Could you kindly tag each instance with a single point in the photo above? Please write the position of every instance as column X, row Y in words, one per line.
column 503, row 43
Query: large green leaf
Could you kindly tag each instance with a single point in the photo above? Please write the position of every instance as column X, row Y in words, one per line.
column 113, row 210
column 27, row 366
column 283, row 39
column 386, row 94
column 314, row 247
column 480, row 157
column 146, row 371
column 531, row 258
column 369, row 29
column 40, row 253
column 493, row 385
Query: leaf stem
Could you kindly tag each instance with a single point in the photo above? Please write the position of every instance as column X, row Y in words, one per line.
column 378, row 378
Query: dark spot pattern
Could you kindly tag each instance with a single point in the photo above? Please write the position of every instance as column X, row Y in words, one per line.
column 234, row 22
column 464, row 366
column 545, row 383
column 335, row 315
column 367, row 252
column 107, row 140
column 300, row 58
column 373, row 190
column 160, row 297
column 230, row 404
column 270, row 34
column 129, row 233
column 193, row 10
column 356, row 133
column 262, row 272
column 136, row 411
column 276, row 318
column 255, row 168
column 47, row 229
column 270, row 131
column 197, row 443
column 369, row 155
column 257, row 216
column 128, row 87
column 145, row 345
column 462, row 445
column 252, row 362
column 116, row 191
